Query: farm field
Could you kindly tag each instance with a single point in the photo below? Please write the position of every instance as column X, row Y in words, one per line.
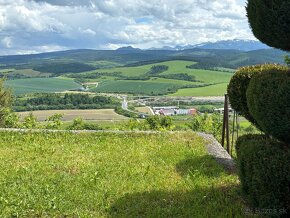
column 135, row 87
column 145, row 110
column 113, row 175
column 114, row 84
column 161, row 86
column 41, row 85
column 207, row 76
column 69, row 115
column 213, row 90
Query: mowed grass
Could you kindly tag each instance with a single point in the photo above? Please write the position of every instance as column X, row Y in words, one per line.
column 40, row 85
column 213, row 90
column 69, row 115
column 113, row 175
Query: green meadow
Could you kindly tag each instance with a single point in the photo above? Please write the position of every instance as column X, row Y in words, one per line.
column 41, row 85
column 113, row 175
column 212, row 90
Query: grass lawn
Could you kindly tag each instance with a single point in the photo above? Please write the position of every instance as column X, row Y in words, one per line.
column 113, row 175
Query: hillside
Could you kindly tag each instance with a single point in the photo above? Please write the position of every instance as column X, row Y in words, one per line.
column 189, row 72
column 96, row 58
column 135, row 80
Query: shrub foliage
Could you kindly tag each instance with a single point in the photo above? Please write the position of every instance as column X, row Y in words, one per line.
column 237, row 90
column 264, row 167
column 270, row 22
column 268, row 99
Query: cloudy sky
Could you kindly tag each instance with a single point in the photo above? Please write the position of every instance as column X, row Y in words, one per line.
column 33, row 26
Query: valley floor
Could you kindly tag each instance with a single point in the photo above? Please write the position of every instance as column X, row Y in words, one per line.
column 113, row 175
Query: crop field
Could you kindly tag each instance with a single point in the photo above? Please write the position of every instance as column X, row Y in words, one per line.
column 145, row 110
column 162, row 86
column 113, row 175
column 136, row 87
column 40, row 85
column 213, row 90
column 69, row 115
column 178, row 66
column 206, row 76
column 114, row 84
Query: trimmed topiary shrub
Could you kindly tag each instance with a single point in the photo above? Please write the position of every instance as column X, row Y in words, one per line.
column 264, row 167
column 237, row 89
column 268, row 100
column 270, row 22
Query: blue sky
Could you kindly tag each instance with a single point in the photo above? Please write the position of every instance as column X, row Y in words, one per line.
column 33, row 26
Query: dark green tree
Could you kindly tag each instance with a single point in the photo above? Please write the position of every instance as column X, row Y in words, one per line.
column 5, row 101
column 270, row 22
column 287, row 60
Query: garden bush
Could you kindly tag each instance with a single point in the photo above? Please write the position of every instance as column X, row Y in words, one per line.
column 237, row 90
column 264, row 167
column 79, row 124
column 268, row 99
column 270, row 22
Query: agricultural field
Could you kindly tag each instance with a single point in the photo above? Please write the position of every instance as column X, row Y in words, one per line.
column 124, row 80
column 69, row 115
column 145, row 110
column 113, row 175
column 136, row 87
column 206, row 76
column 163, row 86
column 41, row 85
column 213, row 90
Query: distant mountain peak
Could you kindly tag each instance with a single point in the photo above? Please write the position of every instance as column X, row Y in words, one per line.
column 128, row 48
column 234, row 44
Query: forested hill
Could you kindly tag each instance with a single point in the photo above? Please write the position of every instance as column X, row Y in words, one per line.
column 95, row 58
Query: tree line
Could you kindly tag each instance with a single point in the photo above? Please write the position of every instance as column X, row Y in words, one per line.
column 67, row 101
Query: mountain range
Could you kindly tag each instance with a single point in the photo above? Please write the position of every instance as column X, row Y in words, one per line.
column 226, row 54
column 236, row 44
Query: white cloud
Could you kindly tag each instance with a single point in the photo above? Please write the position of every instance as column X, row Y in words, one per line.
column 41, row 25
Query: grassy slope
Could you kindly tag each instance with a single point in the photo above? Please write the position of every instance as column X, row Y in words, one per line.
column 214, row 90
column 109, row 84
column 154, row 85
column 112, row 175
column 33, row 85
column 206, row 76
column 135, row 87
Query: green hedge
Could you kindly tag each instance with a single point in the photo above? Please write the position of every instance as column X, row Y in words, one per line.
column 237, row 90
column 264, row 170
column 268, row 100
column 270, row 22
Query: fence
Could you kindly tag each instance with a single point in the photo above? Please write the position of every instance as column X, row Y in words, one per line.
column 226, row 127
